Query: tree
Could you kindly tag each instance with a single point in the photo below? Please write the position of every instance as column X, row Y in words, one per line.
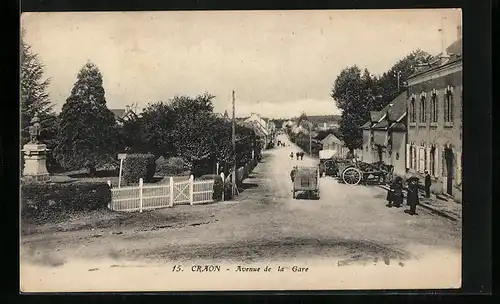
column 155, row 135
column 34, row 96
column 353, row 94
column 388, row 83
column 87, row 135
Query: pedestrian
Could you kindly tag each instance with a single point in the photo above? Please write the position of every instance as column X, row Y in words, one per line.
column 412, row 195
column 297, row 154
column 291, row 155
column 292, row 173
column 395, row 193
column 427, row 184
column 301, row 155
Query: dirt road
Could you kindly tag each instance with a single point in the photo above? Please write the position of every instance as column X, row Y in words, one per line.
column 348, row 224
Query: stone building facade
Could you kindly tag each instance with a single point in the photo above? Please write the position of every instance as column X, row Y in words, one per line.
column 434, row 104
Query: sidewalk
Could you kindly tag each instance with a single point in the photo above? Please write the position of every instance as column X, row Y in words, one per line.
column 445, row 208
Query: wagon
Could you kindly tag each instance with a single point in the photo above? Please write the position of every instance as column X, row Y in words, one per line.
column 356, row 172
column 306, row 180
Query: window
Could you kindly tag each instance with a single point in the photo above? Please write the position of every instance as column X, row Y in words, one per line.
column 448, row 105
column 432, row 160
column 434, row 108
column 422, row 116
column 412, row 110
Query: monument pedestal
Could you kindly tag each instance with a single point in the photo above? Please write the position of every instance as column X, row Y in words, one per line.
column 35, row 157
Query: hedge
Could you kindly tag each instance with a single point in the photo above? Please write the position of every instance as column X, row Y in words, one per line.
column 137, row 166
column 44, row 200
column 217, row 196
column 169, row 167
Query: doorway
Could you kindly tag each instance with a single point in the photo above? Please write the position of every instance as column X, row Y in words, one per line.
column 379, row 153
column 448, row 156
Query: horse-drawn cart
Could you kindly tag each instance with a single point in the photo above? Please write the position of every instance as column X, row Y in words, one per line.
column 356, row 172
column 306, row 179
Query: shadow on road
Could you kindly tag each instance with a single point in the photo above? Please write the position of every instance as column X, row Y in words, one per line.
column 306, row 195
column 288, row 248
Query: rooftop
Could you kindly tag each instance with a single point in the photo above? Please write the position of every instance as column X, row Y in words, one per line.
column 454, row 54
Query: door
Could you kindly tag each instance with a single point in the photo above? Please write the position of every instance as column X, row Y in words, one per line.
column 449, row 170
column 379, row 152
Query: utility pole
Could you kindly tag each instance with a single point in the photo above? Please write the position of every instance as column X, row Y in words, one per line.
column 310, row 138
column 233, row 175
column 398, row 74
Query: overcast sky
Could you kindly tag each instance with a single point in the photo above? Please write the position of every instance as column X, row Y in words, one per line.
column 279, row 62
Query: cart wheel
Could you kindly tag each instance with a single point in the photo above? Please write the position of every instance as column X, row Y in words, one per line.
column 352, row 176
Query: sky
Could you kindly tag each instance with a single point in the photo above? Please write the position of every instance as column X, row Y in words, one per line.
column 279, row 63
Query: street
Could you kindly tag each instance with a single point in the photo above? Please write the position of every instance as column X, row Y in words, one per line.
column 348, row 224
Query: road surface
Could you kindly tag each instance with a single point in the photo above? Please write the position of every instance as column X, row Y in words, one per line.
column 348, row 225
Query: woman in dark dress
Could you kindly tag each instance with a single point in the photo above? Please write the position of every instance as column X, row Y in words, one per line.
column 395, row 193
column 412, row 195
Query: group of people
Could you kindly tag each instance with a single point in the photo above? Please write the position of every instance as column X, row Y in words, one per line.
column 281, row 144
column 298, row 155
column 395, row 193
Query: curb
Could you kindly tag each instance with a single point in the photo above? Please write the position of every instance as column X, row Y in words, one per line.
column 431, row 208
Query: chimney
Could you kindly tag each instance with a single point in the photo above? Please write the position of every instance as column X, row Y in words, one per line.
column 459, row 32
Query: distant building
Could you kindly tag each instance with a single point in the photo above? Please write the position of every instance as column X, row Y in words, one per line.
column 263, row 127
column 337, row 146
column 329, row 125
column 435, row 121
column 123, row 115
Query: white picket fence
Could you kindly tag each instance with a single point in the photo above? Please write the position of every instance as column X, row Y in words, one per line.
column 153, row 196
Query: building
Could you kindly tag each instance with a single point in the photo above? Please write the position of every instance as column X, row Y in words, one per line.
column 384, row 137
column 335, row 145
column 262, row 128
column 122, row 115
column 434, row 105
column 369, row 154
column 325, row 122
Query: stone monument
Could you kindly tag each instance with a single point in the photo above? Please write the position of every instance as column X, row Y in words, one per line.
column 35, row 154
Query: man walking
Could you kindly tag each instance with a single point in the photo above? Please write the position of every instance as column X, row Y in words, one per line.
column 427, row 184
column 291, row 155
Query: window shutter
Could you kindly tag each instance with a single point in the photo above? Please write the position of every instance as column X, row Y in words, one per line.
column 421, row 158
column 437, row 162
column 408, row 160
column 417, row 159
column 459, row 168
column 428, row 158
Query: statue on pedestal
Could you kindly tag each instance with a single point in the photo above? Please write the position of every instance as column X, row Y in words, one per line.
column 35, row 154
column 34, row 130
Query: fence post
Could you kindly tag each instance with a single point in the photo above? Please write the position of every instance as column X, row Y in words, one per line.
column 109, row 184
column 223, row 184
column 171, row 184
column 140, row 194
column 191, row 186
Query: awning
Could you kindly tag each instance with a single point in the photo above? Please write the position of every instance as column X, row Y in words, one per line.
column 380, row 138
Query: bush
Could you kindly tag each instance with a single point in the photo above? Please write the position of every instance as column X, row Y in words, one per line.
column 218, row 185
column 137, row 166
column 43, row 200
column 170, row 167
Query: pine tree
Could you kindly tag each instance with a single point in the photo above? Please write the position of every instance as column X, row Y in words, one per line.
column 87, row 135
column 34, row 96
